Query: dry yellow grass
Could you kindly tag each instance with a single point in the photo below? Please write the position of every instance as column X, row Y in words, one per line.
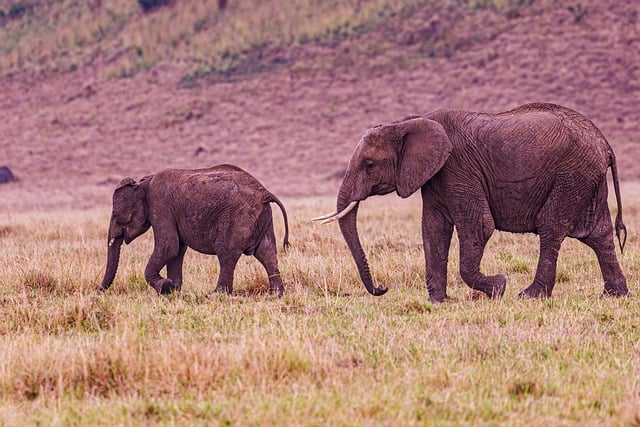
column 326, row 353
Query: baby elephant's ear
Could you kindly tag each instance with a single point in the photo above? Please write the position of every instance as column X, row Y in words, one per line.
column 123, row 200
column 423, row 148
column 125, row 181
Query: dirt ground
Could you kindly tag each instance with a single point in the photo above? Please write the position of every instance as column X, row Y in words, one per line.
column 70, row 138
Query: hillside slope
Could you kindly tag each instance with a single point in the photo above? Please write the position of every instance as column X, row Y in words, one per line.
column 70, row 137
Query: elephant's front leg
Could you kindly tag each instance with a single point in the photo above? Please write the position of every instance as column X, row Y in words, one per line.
column 174, row 267
column 436, row 240
column 166, row 248
column 474, row 233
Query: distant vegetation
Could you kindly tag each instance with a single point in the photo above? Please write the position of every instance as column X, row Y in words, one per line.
column 128, row 36
column 64, row 35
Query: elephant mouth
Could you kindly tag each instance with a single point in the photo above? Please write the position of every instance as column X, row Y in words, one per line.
column 382, row 190
column 128, row 239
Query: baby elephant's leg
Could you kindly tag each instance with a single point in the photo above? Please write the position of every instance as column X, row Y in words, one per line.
column 165, row 249
column 266, row 253
column 174, row 268
column 228, row 261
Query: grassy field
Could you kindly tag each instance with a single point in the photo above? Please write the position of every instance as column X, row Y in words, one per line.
column 325, row 354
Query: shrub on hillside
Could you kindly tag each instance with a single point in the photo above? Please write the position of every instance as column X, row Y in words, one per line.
column 15, row 11
column 148, row 5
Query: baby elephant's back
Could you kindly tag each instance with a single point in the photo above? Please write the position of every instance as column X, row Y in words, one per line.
column 221, row 188
column 214, row 208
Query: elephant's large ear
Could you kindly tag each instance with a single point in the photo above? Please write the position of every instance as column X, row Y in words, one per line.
column 424, row 147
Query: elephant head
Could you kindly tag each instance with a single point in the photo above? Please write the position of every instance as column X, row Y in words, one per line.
column 401, row 157
column 129, row 220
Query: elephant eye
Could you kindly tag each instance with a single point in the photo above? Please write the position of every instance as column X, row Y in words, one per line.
column 369, row 165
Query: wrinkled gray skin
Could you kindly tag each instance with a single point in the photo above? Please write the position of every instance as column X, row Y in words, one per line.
column 220, row 211
column 540, row 168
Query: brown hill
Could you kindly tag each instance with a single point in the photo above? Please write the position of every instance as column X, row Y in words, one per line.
column 70, row 138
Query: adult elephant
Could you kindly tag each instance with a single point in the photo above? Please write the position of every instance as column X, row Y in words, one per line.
column 221, row 211
column 539, row 168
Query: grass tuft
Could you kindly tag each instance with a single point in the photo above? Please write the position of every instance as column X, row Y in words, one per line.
column 523, row 389
column 40, row 281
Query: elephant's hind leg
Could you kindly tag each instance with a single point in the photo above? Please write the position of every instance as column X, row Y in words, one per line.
column 600, row 240
column 266, row 253
column 545, row 278
column 615, row 284
column 228, row 261
column 562, row 210
column 174, row 268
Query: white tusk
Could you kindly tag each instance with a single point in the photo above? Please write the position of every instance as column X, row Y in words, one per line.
column 318, row 218
column 345, row 211
column 113, row 239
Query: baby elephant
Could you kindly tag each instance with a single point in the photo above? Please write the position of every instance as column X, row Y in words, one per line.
column 221, row 211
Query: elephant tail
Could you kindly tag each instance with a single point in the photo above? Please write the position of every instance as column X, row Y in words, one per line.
column 274, row 199
column 621, row 229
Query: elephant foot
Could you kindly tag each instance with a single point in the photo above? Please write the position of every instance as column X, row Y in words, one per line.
column 163, row 286
column 221, row 290
column 535, row 292
column 438, row 298
column 616, row 291
column 497, row 286
column 493, row 286
column 279, row 290
column 445, row 300
column 275, row 285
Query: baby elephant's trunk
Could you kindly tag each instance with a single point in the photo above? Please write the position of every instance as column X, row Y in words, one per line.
column 115, row 240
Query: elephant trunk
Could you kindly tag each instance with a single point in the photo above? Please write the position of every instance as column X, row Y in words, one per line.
column 115, row 240
column 349, row 229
